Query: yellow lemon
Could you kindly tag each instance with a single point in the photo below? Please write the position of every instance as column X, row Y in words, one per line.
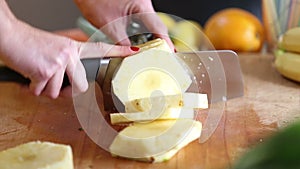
column 166, row 19
column 187, row 35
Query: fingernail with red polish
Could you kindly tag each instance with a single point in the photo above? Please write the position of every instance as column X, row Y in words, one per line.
column 175, row 50
column 133, row 48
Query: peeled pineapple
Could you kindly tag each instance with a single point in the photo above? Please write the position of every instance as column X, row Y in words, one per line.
column 37, row 155
column 153, row 85
column 169, row 114
column 162, row 108
column 186, row 100
column 155, row 141
column 155, row 69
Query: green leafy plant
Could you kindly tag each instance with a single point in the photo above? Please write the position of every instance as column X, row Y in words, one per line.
column 280, row 151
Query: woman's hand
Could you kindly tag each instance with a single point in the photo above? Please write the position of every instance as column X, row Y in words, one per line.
column 44, row 58
column 102, row 12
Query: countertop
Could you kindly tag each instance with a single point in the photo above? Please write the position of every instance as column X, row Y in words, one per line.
column 269, row 103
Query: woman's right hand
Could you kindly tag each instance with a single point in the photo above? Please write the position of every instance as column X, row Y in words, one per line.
column 44, row 58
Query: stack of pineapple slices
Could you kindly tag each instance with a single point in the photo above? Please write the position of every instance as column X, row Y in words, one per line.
column 152, row 86
column 287, row 60
column 37, row 155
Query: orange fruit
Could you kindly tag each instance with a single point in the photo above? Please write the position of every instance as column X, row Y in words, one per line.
column 235, row 29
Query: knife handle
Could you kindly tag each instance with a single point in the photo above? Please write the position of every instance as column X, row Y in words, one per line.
column 91, row 66
column 9, row 75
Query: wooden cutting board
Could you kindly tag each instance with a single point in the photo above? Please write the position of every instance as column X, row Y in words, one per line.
column 270, row 102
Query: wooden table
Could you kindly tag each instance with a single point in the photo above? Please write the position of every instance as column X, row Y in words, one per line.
column 270, row 102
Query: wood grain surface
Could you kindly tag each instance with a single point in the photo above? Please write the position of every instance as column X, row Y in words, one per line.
column 270, row 102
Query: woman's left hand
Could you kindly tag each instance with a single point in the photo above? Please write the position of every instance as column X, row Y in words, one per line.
column 101, row 12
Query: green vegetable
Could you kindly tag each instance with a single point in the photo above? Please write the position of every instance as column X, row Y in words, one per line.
column 280, row 151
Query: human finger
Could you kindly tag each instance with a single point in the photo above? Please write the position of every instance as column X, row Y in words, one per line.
column 77, row 77
column 157, row 27
column 54, row 85
column 99, row 49
column 37, row 86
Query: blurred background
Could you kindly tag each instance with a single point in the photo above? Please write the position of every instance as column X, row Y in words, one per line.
column 202, row 10
column 46, row 14
column 62, row 14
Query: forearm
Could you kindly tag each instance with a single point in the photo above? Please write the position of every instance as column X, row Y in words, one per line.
column 6, row 16
column 7, row 19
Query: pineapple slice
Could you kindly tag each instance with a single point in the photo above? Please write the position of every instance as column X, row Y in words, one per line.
column 156, row 141
column 185, row 100
column 154, row 69
column 157, row 44
column 170, row 113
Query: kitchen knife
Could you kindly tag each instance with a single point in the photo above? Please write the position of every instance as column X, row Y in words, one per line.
column 209, row 68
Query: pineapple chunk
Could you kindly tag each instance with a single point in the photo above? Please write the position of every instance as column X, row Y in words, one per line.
column 37, row 155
